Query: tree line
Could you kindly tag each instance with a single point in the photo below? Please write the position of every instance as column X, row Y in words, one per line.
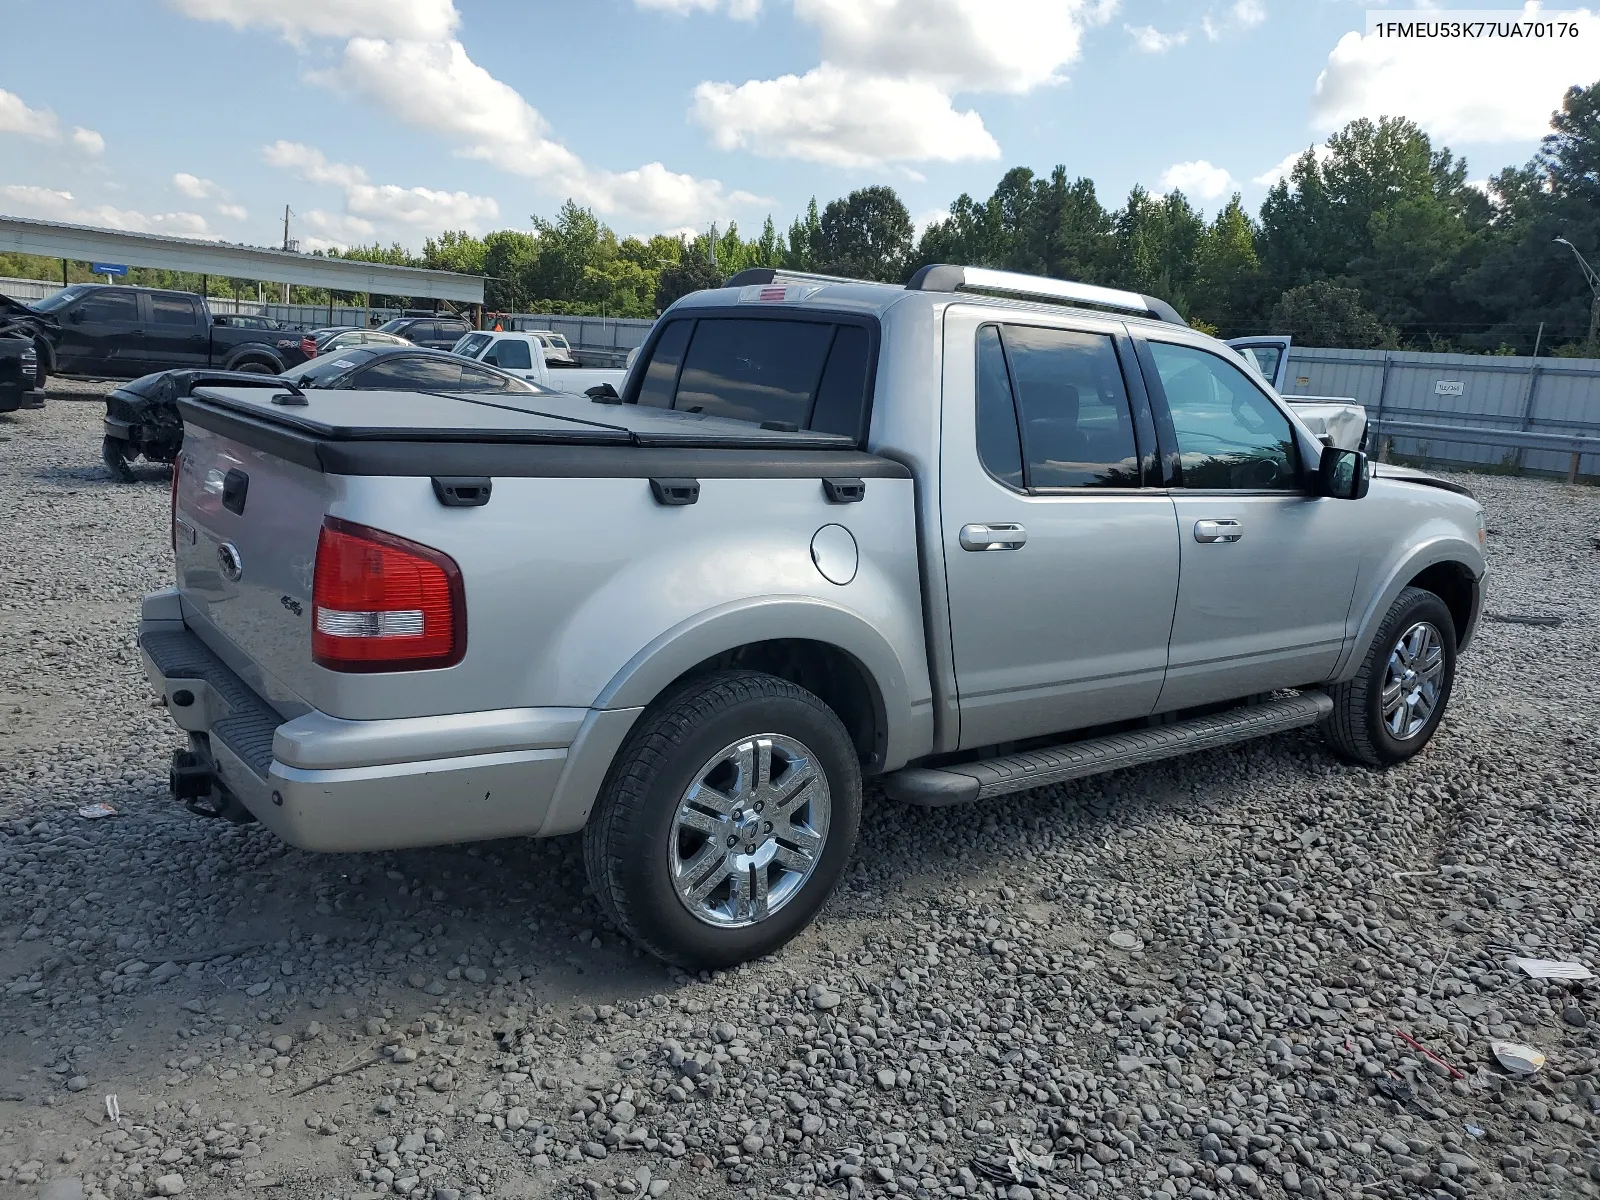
column 1374, row 239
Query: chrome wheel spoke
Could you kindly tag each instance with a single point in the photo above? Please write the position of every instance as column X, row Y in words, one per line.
column 1413, row 682
column 700, row 822
column 709, row 882
column 736, row 851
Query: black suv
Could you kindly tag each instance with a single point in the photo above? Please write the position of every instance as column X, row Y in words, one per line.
column 437, row 333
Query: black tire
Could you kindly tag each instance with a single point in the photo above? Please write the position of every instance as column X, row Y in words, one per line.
column 116, row 453
column 256, row 367
column 629, row 840
column 1357, row 729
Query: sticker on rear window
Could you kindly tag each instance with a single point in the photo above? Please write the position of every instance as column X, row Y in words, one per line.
column 344, row 362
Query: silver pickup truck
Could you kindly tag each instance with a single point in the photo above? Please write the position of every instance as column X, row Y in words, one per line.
column 965, row 537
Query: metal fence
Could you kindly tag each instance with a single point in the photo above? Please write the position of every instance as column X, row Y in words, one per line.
column 1482, row 395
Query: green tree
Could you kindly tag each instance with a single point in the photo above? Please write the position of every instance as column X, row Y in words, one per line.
column 804, row 236
column 866, row 235
column 1324, row 314
column 1227, row 277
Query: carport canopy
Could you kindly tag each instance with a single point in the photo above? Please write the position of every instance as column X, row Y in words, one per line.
column 84, row 243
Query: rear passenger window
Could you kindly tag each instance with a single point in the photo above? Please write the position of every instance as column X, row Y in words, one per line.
column 109, row 306
column 513, row 356
column 174, row 310
column 999, row 446
column 804, row 374
column 1070, row 406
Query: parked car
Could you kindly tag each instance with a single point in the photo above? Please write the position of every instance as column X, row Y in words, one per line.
column 331, row 340
column 557, row 350
column 969, row 536
column 19, row 368
column 101, row 331
column 142, row 415
column 1336, row 420
column 437, row 333
column 405, row 368
column 248, row 321
column 524, row 355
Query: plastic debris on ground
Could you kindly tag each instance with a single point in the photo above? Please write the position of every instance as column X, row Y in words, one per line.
column 94, row 812
column 1549, row 968
column 1518, row 1058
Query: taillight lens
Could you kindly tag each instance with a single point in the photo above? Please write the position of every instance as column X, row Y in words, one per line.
column 172, row 526
column 384, row 603
column 308, row 347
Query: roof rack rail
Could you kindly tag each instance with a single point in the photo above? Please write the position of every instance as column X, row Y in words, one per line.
column 754, row 275
column 944, row 278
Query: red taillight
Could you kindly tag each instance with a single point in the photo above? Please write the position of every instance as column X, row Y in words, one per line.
column 383, row 603
column 308, row 347
column 177, row 469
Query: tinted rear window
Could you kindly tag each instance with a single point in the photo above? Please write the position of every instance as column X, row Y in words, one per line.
column 805, row 374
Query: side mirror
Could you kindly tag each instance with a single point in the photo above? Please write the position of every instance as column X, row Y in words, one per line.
column 1343, row 474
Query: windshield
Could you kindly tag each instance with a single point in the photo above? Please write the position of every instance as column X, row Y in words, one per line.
column 319, row 371
column 394, row 326
column 59, row 300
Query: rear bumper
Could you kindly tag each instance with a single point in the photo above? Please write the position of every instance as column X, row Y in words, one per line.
column 322, row 783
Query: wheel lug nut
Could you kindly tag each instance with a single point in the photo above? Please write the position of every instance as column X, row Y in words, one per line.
column 733, row 841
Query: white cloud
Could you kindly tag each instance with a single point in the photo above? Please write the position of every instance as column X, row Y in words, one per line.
column 739, row 10
column 884, row 89
column 439, row 88
column 311, row 164
column 833, row 116
column 933, row 216
column 420, row 20
column 42, row 125
column 1467, row 90
column 1247, row 14
column 234, row 212
column 368, row 205
column 87, row 140
column 1152, row 41
column 1281, row 169
column 333, row 231
column 17, row 117
column 57, row 205
column 193, row 186
column 961, row 45
column 1198, row 179
column 421, row 206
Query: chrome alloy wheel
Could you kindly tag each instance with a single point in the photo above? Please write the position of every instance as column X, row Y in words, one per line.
column 749, row 830
column 1411, row 684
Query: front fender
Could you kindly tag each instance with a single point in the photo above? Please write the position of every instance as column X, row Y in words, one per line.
column 1448, row 547
column 906, row 711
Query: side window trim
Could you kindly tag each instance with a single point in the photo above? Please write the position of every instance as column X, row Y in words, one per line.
column 1016, row 418
column 1169, row 462
column 1146, row 444
column 1168, row 431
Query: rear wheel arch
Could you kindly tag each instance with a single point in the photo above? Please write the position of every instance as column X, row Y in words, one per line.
column 261, row 361
column 827, row 650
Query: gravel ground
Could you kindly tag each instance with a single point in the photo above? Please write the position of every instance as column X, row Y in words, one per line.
column 1185, row 980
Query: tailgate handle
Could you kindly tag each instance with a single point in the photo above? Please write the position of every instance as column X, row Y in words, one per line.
column 462, row 491
column 844, row 491
column 235, row 487
column 675, row 492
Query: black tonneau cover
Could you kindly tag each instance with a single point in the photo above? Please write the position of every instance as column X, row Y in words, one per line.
column 430, row 433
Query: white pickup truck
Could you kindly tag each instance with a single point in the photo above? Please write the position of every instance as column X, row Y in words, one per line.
column 981, row 533
column 523, row 355
column 1337, row 420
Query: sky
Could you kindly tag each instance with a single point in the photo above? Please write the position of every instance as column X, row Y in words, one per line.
column 391, row 120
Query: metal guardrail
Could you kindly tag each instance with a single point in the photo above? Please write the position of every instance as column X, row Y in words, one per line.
column 1481, row 435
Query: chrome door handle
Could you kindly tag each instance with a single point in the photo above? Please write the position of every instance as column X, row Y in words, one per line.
column 1006, row 535
column 1218, row 531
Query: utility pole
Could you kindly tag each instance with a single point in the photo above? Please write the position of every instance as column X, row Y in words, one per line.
column 1592, row 278
column 286, row 247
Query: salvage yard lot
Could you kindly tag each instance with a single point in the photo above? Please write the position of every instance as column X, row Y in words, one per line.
column 1185, row 979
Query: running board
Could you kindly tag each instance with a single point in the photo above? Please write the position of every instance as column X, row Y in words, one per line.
column 936, row 787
